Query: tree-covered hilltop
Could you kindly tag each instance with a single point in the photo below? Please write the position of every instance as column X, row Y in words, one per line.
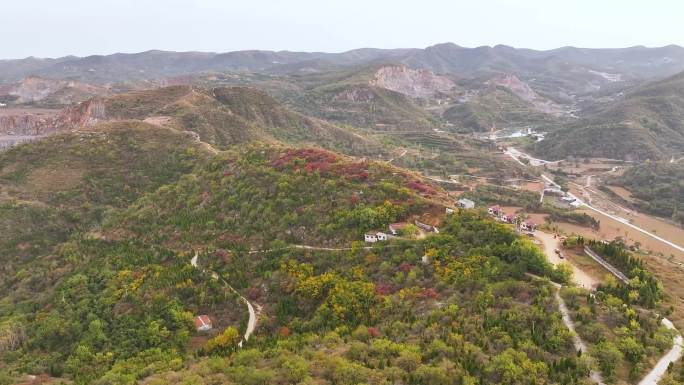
column 99, row 287
column 263, row 194
column 101, row 227
column 65, row 185
column 452, row 309
column 226, row 116
column 455, row 305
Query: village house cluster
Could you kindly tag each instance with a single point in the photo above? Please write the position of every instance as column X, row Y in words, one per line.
column 499, row 213
column 509, row 216
column 395, row 230
column 550, row 189
column 375, row 237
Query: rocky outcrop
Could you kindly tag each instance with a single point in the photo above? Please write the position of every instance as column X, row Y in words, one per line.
column 526, row 93
column 20, row 125
column 419, row 83
column 355, row 94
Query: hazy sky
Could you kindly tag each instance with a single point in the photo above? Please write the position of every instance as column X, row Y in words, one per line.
column 50, row 28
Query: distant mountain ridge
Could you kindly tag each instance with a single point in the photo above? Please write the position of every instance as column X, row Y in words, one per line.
column 440, row 58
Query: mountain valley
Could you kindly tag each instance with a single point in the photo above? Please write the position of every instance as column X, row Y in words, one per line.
column 445, row 215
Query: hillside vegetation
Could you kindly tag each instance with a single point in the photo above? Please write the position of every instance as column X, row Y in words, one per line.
column 494, row 108
column 109, row 295
column 227, row 116
column 365, row 106
column 224, row 201
column 646, row 124
column 265, row 194
column 657, row 187
column 382, row 316
column 68, row 184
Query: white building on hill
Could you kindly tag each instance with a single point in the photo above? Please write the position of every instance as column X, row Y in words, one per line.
column 465, row 203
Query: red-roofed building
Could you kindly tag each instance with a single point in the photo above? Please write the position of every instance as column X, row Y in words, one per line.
column 395, row 228
column 494, row 210
column 528, row 226
column 203, row 323
column 507, row 217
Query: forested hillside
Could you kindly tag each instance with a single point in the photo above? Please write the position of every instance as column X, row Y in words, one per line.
column 257, row 207
column 657, row 188
column 383, row 316
column 64, row 187
column 109, row 294
column 494, row 107
column 645, row 124
column 226, row 116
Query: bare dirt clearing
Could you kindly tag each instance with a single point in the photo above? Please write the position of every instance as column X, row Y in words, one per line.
column 550, row 245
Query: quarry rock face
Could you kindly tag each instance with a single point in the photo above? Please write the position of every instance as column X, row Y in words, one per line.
column 526, row 93
column 418, row 83
column 515, row 85
column 21, row 125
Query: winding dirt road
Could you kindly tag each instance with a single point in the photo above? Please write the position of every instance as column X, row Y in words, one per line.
column 583, row 279
column 252, row 322
column 579, row 344
column 567, row 320
column 674, row 354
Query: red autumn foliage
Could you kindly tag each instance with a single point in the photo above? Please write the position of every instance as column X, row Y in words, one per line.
column 354, row 200
column 253, row 293
column 353, row 171
column 405, row 267
column 523, row 296
column 223, row 255
column 314, row 159
column 383, row 289
column 283, row 331
column 421, row 187
column 430, row 293
column 374, row 332
column 227, row 239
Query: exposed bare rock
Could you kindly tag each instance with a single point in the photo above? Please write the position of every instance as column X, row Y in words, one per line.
column 21, row 125
column 84, row 113
column 419, row 83
column 355, row 94
column 60, row 92
column 526, row 93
